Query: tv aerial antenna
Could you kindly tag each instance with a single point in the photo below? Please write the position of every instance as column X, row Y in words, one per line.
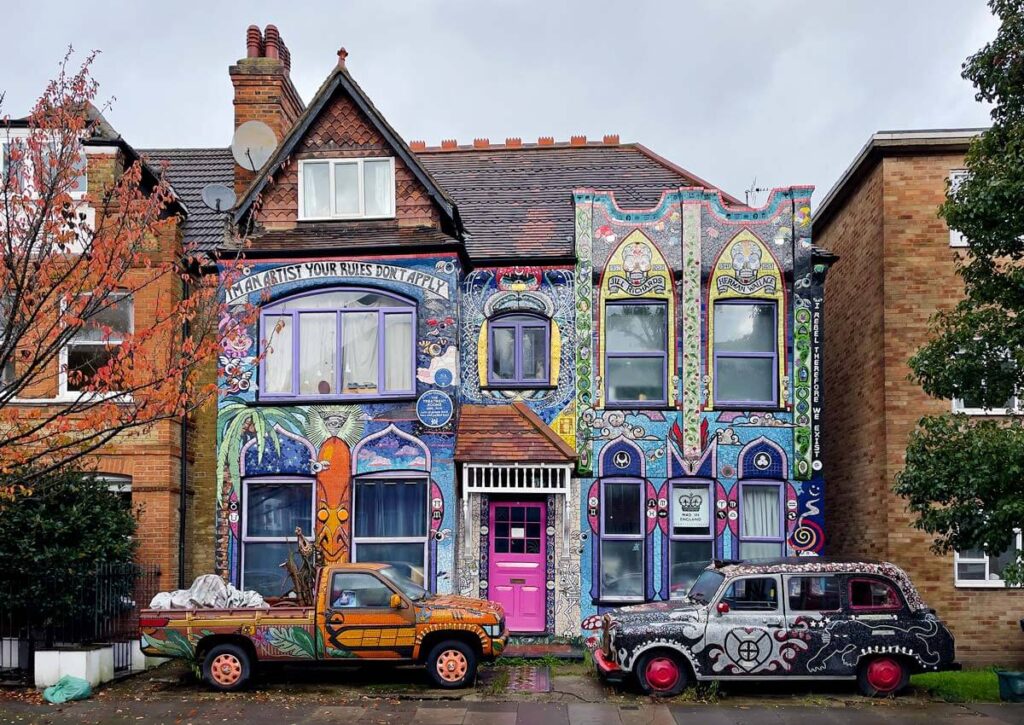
column 750, row 195
column 252, row 145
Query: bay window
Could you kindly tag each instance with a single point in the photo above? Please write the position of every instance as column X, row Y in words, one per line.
column 391, row 524
column 346, row 188
column 691, row 537
column 271, row 511
column 636, row 352
column 762, row 525
column 338, row 344
column 977, row 568
column 622, row 540
column 746, row 355
column 518, row 348
column 95, row 343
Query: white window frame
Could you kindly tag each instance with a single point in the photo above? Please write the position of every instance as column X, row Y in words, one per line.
column 63, row 393
column 420, row 478
column 332, row 163
column 244, row 514
column 958, row 407
column 21, row 134
column 985, row 583
column 956, row 239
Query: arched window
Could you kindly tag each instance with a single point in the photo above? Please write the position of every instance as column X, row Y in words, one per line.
column 338, row 344
column 519, row 348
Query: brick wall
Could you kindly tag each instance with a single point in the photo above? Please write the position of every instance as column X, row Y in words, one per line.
column 896, row 271
column 202, row 484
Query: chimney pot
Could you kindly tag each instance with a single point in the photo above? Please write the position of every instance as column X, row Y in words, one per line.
column 577, row 140
column 342, row 55
column 513, row 142
column 546, row 141
column 611, row 139
column 449, row 143
column 286, row 56
column 253, row 42
column 481, row 143
column 272, row 42
column 417, row 145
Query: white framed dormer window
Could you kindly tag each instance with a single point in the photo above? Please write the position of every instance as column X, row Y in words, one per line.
column 347, row 189
column 975, row 568
column 92, row 347
column 956, row 177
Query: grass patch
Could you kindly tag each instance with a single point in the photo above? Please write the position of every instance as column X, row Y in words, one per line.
column 557, row 665
column 965, row 686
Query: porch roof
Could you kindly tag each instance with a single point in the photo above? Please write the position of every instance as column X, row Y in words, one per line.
column 508, row 434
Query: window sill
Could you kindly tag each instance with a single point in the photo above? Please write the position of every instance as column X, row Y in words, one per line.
column 740, row 407
column 69, row 398
column 347, row 218
column 990, row 412
column 983, row 584
column 518, row 387
column 328, row 399
column 659, row 405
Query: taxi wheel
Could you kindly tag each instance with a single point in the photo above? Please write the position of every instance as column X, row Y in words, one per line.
column 452, row 664
column 227, row 667
column 661, row 673
column 882, row 676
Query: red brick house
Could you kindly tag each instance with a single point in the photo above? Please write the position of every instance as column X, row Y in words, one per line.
column 896, row 271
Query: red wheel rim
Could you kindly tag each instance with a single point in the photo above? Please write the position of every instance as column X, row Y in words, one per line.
column 452, row 665
column 662, row 673
column 884, row 674
column 226, row 669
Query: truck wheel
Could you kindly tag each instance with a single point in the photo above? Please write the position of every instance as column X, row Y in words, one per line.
column 452, row 664
column 227, row 667
column 882, row 676
column 661, row 673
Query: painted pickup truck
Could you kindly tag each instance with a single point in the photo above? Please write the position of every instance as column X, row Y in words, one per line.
column 803, row 618
column 363, row 612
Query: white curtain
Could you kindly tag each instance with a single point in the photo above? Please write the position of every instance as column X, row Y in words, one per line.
column 377, row 186
column 316, row 190
column 359, row 343
column 762, row 517
column 278, row 365
column 318, row 343
column 398, row 352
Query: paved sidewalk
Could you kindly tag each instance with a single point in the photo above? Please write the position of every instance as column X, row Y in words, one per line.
column 250, row 710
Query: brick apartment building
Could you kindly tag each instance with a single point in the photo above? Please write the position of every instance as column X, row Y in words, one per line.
column 896, row 271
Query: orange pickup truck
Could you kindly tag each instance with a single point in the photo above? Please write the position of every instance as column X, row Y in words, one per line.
column 362, row 612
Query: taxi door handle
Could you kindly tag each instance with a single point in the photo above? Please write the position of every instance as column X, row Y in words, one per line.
column 774, row 623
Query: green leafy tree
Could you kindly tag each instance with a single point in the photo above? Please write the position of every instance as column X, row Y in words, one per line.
column 53, row 539
column 964, row 478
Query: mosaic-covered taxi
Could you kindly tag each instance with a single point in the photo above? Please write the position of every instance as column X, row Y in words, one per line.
column 802, row 618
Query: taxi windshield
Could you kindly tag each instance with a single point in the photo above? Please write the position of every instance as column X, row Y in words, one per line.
column 706, row 586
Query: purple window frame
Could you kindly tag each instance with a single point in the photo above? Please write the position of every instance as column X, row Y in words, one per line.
column 639, row 483
column 610, row 355
column 406, row 307
column 518, row 322
column 781, row 538
column 708, row 538
column 773, row 356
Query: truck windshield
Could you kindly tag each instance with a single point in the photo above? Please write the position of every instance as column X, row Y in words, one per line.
column 706, row 586
column 409, row 588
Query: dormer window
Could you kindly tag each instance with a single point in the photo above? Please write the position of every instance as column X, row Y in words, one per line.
column 347, row 189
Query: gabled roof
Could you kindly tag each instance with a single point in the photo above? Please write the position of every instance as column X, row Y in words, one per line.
column 516, row 201
column 340, row 79
column 189, row 171
column 508, row 434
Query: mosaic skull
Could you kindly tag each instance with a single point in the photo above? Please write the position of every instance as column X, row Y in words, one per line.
column 636, row 261
column 746, row 261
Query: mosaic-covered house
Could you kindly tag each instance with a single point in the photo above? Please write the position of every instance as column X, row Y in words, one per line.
column 556, row 375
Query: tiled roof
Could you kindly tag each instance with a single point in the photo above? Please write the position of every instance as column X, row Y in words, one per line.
column 350, row 236
column 516, row 202
column 189, row 171
column 508, row 433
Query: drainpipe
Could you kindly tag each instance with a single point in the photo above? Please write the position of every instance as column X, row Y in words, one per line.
column 183, row 470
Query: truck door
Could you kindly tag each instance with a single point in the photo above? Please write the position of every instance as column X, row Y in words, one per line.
column 742, row 625
column 359, row 621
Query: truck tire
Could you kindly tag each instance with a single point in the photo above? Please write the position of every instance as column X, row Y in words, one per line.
column 227, row 667
column 661, row 673
column 882, row 676
column 452, row 664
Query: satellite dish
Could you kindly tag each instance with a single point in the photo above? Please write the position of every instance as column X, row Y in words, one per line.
column 218, row 197
column 252, row 145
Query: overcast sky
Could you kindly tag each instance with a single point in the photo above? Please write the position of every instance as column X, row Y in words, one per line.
column 779, row 91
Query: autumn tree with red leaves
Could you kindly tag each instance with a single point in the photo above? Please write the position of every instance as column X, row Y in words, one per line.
column 75, row 248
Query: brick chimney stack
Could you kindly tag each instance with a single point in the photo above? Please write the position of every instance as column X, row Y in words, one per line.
column 263, row 88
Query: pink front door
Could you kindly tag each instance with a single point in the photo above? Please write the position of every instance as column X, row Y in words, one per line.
column 518, row 553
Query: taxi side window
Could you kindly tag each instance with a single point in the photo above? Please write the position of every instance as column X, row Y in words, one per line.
column 757, row 594
column 873, row 594
column 813, row 593
column 351, row 590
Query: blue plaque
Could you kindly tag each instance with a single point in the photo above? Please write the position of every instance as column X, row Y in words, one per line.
column 434, row 409
column 443, row 377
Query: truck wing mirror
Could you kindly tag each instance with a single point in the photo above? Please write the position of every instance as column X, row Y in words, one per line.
column 396, row 602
